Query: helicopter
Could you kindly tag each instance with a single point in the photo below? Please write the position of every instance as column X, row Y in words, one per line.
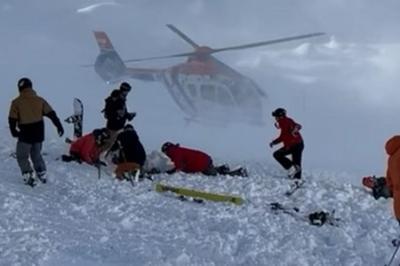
column 203, row 87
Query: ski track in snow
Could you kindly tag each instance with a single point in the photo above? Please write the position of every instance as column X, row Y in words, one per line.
column 77, row 219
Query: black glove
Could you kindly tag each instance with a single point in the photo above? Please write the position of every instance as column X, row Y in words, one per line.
column 130, row 116
column 13, row 127
column 15, row 133
column 99, row 163
column 271, row 144
column 60, row 131
column 172, row 171
column 70, row 158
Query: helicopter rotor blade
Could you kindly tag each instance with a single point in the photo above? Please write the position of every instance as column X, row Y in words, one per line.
column 251, row 45
column 182, row 35
column 159, row 57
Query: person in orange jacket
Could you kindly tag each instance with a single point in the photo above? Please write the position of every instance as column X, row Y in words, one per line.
column 292, row 143
column 88, row 148
column 392, row 148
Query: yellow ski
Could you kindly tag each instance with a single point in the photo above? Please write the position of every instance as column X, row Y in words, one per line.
column 199, row 194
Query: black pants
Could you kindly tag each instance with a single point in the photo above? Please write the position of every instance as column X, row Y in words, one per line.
column 295, row 151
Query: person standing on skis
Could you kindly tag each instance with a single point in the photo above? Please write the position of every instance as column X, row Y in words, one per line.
column 292, row 143
column 26, row 123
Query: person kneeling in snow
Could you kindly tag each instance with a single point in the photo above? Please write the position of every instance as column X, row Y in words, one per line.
column 88, row 148
column 129, row 152
column 378, row 186
column 194, row 161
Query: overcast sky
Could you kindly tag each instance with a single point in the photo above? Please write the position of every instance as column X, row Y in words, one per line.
column 343, row 88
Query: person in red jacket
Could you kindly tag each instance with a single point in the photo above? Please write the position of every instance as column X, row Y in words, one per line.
column 292, row 143
column 88, row 148
column 195, row 161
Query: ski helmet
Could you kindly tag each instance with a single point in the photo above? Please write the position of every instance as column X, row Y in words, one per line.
column 24, row 83
column 101, row 136
column 279, row 112
column 166, row 145
column 125, row 87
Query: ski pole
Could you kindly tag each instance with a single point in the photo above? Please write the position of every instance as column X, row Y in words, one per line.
column 394, row 255
column 98, row 171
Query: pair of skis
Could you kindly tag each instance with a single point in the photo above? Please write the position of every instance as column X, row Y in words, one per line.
column 318, row 218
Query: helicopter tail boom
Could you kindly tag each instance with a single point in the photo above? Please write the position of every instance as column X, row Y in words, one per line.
column 109, row 65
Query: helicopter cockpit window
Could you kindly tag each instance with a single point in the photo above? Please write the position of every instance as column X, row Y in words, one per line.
column 208, row 92
column 192, row 90
column 224, row 97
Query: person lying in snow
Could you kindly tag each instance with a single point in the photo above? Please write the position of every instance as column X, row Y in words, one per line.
column 128, row 152
column 195, row 161
column 378, row 186
column 88, row 148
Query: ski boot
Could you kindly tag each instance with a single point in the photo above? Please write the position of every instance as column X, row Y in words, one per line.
column 41, row 176
column 223, row 169
column 292, row 171
column 29, row 179
column 241, row 171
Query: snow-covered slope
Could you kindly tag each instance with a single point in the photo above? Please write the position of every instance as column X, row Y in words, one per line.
column 77, row 219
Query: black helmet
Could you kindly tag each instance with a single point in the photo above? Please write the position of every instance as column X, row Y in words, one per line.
column 125, row 87
column 279, row 112
column 166, row 145
column 101, row 136
column 24, row 83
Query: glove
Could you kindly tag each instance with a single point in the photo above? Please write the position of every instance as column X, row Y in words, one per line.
column 60, row 131
column 130, row 116
column 15, row 133
column 99, row 163
column 271, row 144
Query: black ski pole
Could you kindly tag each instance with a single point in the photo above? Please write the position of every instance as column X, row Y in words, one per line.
column 394, row 255
column 99, row 171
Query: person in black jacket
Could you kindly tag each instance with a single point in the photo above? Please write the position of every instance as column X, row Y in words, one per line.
column 115, row 110
column 116, row 113
column 129, row 152
column 26, row 123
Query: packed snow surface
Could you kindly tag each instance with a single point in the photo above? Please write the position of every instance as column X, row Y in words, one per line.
column 78, row 219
